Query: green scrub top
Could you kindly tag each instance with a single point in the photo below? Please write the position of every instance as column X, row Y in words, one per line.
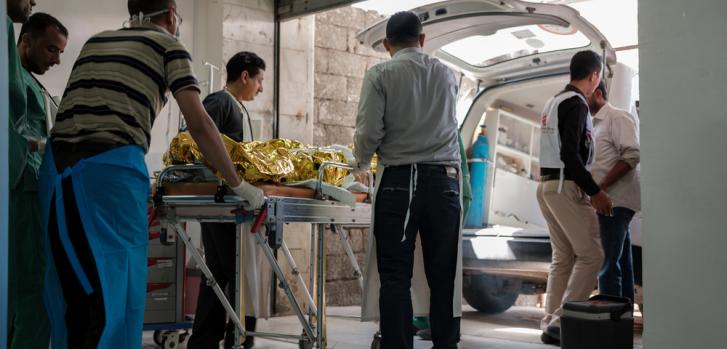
column 34, row 125
column 18, row 145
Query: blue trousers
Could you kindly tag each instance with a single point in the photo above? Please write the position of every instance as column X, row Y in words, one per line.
column 617, row 274
column 96, row 237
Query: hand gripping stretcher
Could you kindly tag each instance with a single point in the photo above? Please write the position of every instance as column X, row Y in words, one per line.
column 174, row 209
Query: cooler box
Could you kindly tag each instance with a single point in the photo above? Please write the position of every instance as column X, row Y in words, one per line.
column 602, row 322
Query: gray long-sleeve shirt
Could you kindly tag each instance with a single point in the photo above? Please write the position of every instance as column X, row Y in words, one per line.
column 406, row 113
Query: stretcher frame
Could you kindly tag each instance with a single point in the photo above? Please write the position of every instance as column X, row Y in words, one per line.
column 173, row 210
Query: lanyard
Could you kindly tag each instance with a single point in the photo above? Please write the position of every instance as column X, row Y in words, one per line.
column 245, row 113
column 45, row 90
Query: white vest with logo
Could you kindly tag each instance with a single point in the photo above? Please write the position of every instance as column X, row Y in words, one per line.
column 550, row 136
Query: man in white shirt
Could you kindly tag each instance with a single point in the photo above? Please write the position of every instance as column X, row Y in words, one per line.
column 616, row 171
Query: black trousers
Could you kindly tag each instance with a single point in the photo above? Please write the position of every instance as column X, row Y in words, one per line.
column 85, row 315
column 435, row 214
column 210, row 321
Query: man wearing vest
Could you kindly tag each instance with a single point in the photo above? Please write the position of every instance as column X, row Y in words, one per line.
column 568, row 196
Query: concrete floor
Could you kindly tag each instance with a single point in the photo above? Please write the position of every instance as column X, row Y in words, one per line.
column 515, row 329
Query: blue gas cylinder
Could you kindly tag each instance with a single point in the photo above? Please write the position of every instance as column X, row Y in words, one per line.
column 478, row 180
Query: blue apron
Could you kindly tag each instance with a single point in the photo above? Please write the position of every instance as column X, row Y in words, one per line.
column 111, row 191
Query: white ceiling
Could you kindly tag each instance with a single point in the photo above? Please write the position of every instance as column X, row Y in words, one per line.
column 534, row 97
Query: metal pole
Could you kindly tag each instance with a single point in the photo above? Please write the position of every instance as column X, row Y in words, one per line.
column 299, row 277
column 4, row 181
column 210, row 278
column 284, row 283
column 321, row 286
column 211, row 77
column 239, row 290
column 346, row 242
column 276, row 78
column 312, row 269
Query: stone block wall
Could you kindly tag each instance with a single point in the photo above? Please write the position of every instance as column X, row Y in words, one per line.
column 340, row 64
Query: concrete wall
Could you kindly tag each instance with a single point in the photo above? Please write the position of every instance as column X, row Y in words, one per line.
column 340, row 65
column 248, row 25
column 683, row 120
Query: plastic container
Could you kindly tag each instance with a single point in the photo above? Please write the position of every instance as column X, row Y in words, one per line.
column 602, row 322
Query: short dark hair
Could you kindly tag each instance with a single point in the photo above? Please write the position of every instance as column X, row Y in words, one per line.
column 244, row 61
column 403, row 28
column 38, row 23
column 148, row 6
column 602, row 87
column 584, row 63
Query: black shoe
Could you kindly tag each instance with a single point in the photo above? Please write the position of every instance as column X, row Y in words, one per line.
column 551, row 335
column 425, row 334
column 250, row 324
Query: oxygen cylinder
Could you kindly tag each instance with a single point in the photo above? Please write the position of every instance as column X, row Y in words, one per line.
column 478, row 180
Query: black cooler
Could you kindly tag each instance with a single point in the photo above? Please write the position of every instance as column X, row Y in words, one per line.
column 602, row 322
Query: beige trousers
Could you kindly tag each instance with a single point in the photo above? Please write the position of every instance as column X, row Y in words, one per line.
column 576, row 243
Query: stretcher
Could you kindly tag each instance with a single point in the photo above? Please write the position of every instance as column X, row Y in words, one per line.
column 200, row 202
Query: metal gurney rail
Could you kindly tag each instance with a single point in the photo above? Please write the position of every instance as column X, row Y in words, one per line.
column 173, row 210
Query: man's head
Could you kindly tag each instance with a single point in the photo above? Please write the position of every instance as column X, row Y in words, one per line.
column 160, row 12
column 42, row 41
column 598, row 98
column 247, row 70
column 20, row 10
column 403, row 30
column 585, row 71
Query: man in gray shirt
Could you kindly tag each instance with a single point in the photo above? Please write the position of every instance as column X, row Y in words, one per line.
column 407, row 117
column 245, row 74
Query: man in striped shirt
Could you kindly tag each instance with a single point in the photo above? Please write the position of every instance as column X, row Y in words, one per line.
column 94, row 183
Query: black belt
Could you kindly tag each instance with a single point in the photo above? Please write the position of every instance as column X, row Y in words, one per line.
column 67, row 154
column 427, row 168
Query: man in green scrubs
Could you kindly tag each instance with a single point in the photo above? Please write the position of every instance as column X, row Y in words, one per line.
column 18, row 12
column 42, row 40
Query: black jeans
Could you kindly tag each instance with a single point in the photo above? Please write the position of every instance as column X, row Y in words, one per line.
column 210, row 321
column 435, row 214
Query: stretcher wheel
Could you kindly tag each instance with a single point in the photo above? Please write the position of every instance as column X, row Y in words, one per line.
column 158, row 338
column 170, row 343
column 376, row 343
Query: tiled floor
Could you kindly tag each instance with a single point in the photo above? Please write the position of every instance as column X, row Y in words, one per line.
column 515, row 329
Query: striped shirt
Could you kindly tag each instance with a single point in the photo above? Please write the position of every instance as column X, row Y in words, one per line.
column 119, row 84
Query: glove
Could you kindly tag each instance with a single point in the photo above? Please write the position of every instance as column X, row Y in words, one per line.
column 253, row 198
column 361, row 174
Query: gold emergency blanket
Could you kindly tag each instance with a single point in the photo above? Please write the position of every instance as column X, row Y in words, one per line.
column 276, row 160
